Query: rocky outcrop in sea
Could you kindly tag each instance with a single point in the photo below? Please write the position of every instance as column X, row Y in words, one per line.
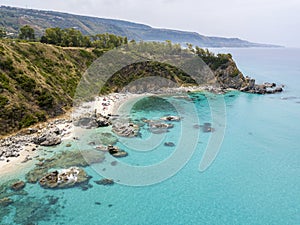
column 266, row 88
column 125, row 129
column 65, row 178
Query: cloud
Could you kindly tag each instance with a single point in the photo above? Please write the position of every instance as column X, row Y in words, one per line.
column 268, row 21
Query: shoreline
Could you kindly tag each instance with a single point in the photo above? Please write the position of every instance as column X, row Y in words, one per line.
column 12, row 167
column 18, row 165
column 106, row 106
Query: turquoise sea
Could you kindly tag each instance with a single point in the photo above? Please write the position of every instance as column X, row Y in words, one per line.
column 255, row 178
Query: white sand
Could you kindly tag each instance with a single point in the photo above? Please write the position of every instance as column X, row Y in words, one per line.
column 16, row 165
column 104, row 105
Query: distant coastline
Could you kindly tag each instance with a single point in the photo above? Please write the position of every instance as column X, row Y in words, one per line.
column 41, row 19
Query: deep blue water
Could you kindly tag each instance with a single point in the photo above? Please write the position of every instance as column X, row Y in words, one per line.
column 253, row 180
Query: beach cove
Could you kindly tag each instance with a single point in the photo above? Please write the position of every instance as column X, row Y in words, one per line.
column 254, row 179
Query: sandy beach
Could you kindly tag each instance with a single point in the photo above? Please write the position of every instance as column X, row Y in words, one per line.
column 105, row 105
column 18, row 165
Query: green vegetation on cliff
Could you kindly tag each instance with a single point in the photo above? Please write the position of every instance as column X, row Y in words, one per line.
column 38, row 81
column 71, row 37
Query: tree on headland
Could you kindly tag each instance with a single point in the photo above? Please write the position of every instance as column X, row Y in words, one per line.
column 27, row 33
column 52, row 36
column 190, row 47
column 71, row 37
column 212, row 60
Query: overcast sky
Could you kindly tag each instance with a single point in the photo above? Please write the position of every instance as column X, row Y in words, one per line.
column 263, row 21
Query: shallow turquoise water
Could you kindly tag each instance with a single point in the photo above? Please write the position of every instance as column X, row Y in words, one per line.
column 254, row 179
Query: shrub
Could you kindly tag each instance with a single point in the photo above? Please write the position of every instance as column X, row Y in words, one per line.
column 235, row 73
column 45, row 99
column 27, row 121
column 3, row 101
column 25, row 82
column 40, row 116
column 4, row 82
column 6, row 64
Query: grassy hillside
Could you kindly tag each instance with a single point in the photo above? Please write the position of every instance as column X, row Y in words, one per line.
column 37, row 81
column 13, row 18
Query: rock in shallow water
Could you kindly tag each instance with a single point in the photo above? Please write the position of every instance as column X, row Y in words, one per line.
column 125, row 129
column 17, row 186
column 105, row 181
column 65, row 159
column 169, row 144
column 65, row 178
column 170, row 118
column 5, row 202
column 116, row 152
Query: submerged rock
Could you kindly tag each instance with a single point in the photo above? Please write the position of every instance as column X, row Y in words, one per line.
column 197, row 126
column 158, row 128
column 65, row 178
column 34, row 210
column 171, row 118
column 6, row 201
column 17, row 186
column 107, row 138
column 206, row 127
column 126, row 130
column 65, row 159
column 116, row 152
column 169, row 144
column 105, row 181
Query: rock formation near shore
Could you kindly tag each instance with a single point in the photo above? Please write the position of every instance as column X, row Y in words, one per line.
column 266, row 88
column 125, row 129
column 116, row 152
column 92, row 120
column 50, row 136
column 65, row 178
column 105, row 181
column 65, row 159
column 17, row 186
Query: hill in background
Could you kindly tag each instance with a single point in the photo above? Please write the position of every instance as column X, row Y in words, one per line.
column 12, row 19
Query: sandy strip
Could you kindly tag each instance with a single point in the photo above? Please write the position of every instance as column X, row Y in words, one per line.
column 18, row 165
column 105, row 105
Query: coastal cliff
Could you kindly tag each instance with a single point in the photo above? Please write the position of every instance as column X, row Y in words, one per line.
column 38, row 81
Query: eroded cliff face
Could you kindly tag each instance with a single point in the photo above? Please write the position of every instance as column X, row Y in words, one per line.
column 38, row 81
column 229, row 76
